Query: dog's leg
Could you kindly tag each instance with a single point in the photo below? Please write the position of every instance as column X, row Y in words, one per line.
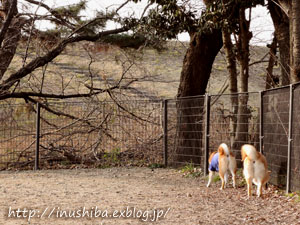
column 222, row 179
column 259, row 189
column 226, row 179
column 233, row 177
column 211, row 173
column 249, row 185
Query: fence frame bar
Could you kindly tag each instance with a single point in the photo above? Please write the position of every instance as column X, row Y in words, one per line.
column 290, row 136
column 37, row 146
column 165, row 131
column 206, row 139
column 261, row 121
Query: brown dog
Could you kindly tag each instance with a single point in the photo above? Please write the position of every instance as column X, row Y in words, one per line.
column 255, row 168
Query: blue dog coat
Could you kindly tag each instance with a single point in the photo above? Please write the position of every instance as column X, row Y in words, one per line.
column 214, row 164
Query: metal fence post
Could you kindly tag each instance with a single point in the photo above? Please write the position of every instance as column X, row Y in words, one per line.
column 288, row 177
column 261, row 122
column 165, row 130
column 37, row 147
column 206, row 140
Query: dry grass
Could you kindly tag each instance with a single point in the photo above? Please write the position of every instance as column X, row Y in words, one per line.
column 188, row 199
column 70, row 71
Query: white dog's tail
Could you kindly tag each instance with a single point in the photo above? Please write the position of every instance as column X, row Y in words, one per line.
column 250, row 152
column 223, row 149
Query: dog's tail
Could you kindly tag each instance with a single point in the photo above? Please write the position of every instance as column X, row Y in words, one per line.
column 211, row 156
column 250, row 152
column 224, row 150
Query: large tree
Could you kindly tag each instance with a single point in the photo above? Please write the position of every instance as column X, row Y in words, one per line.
column 196, row 70
column 39, row 48
column 228, row 17
column 236, row 26
column 286, row 19
column 205, row 29
column 295, row 40
column 282, row 34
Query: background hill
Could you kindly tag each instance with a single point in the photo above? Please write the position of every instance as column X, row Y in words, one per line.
column 158, row 73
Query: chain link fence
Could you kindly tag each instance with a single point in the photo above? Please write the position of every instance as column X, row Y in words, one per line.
column 275, row 132
column 295, row 146
column 173, row 132
column 17, row 134
column 186, row 123
column 229, row 126
column 87, row 133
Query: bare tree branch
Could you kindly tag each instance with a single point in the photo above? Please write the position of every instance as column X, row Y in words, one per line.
column 93, row 91
column 41, row 61
column 121, row 6
column 53, row 12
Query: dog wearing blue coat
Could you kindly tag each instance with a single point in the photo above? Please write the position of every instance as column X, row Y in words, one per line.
column 222, row 161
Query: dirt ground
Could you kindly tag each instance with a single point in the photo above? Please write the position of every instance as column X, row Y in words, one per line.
column 109, row 196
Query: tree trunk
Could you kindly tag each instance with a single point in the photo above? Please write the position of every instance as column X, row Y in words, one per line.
column 270, row 78
column 295, row 41
column 282, row 33
column 195, row 74
column 244, row 37
column 11, row 35
column 231, row 67
column 197, row 63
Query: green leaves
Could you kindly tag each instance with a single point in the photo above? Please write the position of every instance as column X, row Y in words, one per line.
column 72, row 11
column 171, row 17
column 168, row 19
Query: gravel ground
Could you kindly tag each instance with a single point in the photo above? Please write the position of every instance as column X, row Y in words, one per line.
column 134, row 196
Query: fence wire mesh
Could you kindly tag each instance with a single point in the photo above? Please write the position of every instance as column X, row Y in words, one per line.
column 143, row 132
column 17, row 132
column 276, row 129
column 295, row 151
column 99, row 134
column 185, row 131
column 234, row 120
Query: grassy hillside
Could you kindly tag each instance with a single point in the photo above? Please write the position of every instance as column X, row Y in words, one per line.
column 158, row 72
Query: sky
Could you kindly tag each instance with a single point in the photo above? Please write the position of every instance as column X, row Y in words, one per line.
column 261, row 26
